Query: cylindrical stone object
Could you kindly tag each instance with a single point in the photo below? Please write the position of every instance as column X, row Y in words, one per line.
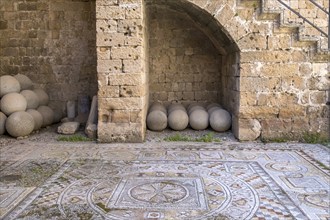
column 220, row 120
column 19, row 124
column 71, row 109
column 8, row 84
column 13, row 102
column 31, row 99
column 199, row 119
column 178, row 120
column 37, row 117
column 157, row 120
column 3, row 119
column 24, row 81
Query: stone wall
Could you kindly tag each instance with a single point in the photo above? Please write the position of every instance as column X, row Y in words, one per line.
column 185, row 66
column 53, row 43
column 273, row 79
column 122, row 73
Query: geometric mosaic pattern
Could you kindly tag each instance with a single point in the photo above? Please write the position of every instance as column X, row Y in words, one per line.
column 173, row 181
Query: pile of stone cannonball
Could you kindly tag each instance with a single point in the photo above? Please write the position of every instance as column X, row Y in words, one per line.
column 178, row 118
column 23, row 108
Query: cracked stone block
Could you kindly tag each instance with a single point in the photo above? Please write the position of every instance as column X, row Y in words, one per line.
column 68, row 127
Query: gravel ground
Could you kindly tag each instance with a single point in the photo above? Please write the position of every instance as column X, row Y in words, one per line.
column 49, row 134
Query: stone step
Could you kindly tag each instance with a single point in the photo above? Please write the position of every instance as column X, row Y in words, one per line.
column 269, row 11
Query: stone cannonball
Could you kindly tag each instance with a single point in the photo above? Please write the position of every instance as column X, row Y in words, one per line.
column 213, row 105
column 157, row 106
column 178, row 120
column 213, row 109
column 157, row 120
column 3, row 119
column 47, row 115
column 37, row 117
column 19, row 124
column 194, row 108
column 13, row 102
column 175, row 106
column 42, row 95
column 8, row 84
column 199, row 119
column 220, row 120
column 192, row 105
column 24, row 81
column 31, row 99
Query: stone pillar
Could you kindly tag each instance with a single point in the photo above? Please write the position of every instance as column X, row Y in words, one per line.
column 121, row 53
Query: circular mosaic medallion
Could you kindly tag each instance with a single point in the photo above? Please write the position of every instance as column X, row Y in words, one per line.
column 159, row 192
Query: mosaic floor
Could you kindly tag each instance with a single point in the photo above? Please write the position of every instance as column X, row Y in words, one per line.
column 153, row 181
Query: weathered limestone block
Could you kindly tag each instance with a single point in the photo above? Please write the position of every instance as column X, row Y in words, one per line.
column 68, row 127
column 249, row 129
column 125, row 132
column 24, row 81
column 31, row 98
column 42, row 95
column 19, row 124
column 9, row 84
column 157, row 120
column 178, row 119
column 13, row 102
column 37, row 117
column 3, row 119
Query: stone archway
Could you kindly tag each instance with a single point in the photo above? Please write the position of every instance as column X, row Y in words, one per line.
column 192, row 57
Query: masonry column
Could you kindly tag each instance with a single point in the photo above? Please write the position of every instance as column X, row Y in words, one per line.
column 122, row 75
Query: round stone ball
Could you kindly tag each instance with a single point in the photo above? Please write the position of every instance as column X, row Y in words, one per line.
column 192, row 105
column 194, row 108
column 213, row 105
column 37, row 117
column 24, row 81
column 57, row 115
column 8, row 84
column 31, row 99
column 178, row 120
column 157, row 120
column 42, row 95
column 199, row 119
column 220, row 120
column 213, row 109
column 13, row 102
column 175, row 106
column 19, row 124
column 47, row 115
column 157, row 106
column 3, row 119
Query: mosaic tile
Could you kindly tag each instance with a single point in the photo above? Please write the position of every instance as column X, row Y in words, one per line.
column 170, row 181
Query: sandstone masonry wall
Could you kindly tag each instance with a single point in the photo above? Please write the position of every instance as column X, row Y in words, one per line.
column 184, row 64
column 122, row 71
column 53, row 43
